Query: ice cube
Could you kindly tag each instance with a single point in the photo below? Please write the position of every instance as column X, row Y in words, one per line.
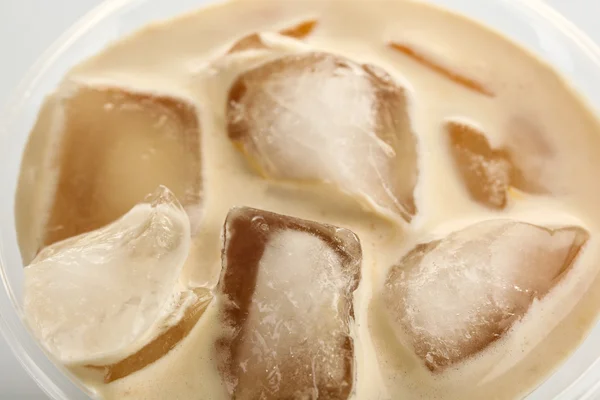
column 489, row 173
column 287, row 287
column 250, row 42
column 115, row 148
column 321, row 117
column 254, row 41
column 452, row 297
column 438, row 67
column 99, row 297
column 192, row 303
column 301, row 30
column 485, row 172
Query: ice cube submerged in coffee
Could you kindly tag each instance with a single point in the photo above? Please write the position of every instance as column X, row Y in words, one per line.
column 311, row 200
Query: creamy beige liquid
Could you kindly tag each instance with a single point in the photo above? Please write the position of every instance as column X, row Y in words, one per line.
column 183, row 58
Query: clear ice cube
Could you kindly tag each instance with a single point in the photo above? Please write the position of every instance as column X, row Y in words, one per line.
column 116, row 147
column 287, row 286
column 438, row 67
column 452, row 297
column 254, row 41
column 101, row 296
column 485, row 172
column 300, row 30
column 321, row 117
column 524, row 163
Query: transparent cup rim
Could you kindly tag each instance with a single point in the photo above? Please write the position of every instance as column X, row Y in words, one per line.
column 18, row 99
column 586, row 387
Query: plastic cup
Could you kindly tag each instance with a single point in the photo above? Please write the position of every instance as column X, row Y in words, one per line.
column 532, row 24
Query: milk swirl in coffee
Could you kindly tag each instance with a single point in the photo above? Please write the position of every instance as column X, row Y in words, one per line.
column 311, row 200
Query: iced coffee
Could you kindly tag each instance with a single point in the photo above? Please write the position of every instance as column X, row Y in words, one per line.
column 300, row 200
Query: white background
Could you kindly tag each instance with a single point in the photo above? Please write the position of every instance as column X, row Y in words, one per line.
column 28, row 27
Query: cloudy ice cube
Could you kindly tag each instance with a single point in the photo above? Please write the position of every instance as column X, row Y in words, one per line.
column 287, row 287
column 99, row 297
column 452, row 297
column 318, row 117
